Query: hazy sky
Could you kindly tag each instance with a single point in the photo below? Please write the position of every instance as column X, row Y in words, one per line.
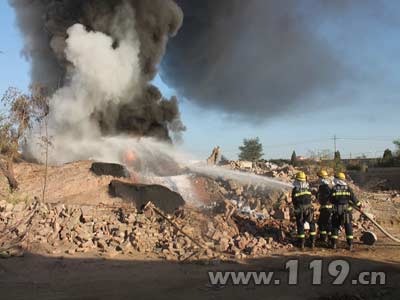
column 368, row 123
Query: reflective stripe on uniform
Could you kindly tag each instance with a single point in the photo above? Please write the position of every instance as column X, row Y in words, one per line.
column 302, row 194
column 313, row 233
column 301, row 236
column 326, row 206
column 358, row 203
column 349, row 208
column 349, row 237
column 323, row 232
column 335, row 237
column 334, row 194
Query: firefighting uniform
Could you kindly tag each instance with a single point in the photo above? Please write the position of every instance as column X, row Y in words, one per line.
column 325, row 211
column 343, row 198
column 303, row 209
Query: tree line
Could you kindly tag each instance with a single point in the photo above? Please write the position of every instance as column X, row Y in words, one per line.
column 252, row 150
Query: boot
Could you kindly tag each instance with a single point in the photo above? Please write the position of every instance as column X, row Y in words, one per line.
column 325, row 238
column 334, row 244
column 312, row 240
column 350, row 245
column 322, row 238
column 302, row 243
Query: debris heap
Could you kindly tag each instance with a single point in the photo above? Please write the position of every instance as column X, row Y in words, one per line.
column 111, row 231
column 284, row 172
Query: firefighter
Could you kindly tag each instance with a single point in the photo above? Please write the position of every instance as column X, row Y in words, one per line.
column 343, row 199
column 303, row 209
column 325, row 210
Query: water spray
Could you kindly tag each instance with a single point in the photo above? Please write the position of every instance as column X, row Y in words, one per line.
column 243, row 177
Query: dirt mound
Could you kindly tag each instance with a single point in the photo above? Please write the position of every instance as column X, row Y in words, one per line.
column 377, row 179
column 141, row 194
column 71, row 183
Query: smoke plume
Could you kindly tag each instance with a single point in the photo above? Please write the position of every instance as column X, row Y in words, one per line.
column 99, row 56
column 254, row 58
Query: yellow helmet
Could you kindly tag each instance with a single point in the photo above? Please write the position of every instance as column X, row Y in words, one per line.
column 340, row 175
column 301, row 176
column 323, row 174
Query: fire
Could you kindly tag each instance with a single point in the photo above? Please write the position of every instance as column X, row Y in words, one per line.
column 129, row 157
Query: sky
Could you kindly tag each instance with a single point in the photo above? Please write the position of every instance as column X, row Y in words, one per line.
column 365, row 124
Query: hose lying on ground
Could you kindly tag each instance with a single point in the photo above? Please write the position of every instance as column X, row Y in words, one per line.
column 378, row 226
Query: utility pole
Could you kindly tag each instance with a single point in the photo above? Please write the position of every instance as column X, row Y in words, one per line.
column 334, row 152
column 334, row 143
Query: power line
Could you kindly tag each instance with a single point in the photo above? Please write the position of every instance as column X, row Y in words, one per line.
column 372, row 138
column 334, row 144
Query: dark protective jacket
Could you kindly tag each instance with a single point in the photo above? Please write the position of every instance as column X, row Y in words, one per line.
column 301, row 196
column 324, row 194
column 343, row 195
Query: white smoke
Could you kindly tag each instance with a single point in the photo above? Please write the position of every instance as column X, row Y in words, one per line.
column 101, row 71
column 99, row 74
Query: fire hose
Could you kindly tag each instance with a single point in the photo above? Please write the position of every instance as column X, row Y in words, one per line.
column 378, row 226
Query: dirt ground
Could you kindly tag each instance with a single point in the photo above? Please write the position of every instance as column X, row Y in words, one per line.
column 377, row 178
column 38, row 277
column 84, row 276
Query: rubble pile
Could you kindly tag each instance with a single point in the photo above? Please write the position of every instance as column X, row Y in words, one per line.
column 251, row 198
column 284, row 172
column 253, row 237
column 111, row 231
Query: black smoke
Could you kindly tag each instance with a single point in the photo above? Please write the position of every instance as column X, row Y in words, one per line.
column 254, row 58
column 44, row 25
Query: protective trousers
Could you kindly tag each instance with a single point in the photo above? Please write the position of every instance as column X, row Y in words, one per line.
column 342, row 216
column 325, row 221
column 305, row 213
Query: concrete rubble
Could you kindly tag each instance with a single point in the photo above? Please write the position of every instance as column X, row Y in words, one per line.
column 108, row 231
column 284, row 172
column 258, row 201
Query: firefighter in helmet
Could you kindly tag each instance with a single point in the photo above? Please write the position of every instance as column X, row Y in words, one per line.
column 325, row 210
column 343, row 200
column 303, row 209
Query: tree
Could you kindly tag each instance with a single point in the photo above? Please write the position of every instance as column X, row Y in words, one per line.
column 337, row 157
column 293, row 159
column 387, row 158
column 22, row 111
column 8, row 150
column 252, row 150
column 397, row 144
column 337, row 161
column 223, row 160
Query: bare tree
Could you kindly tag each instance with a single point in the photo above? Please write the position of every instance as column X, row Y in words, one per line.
column 40, row 101
column 12, row 129
column 22, row 111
